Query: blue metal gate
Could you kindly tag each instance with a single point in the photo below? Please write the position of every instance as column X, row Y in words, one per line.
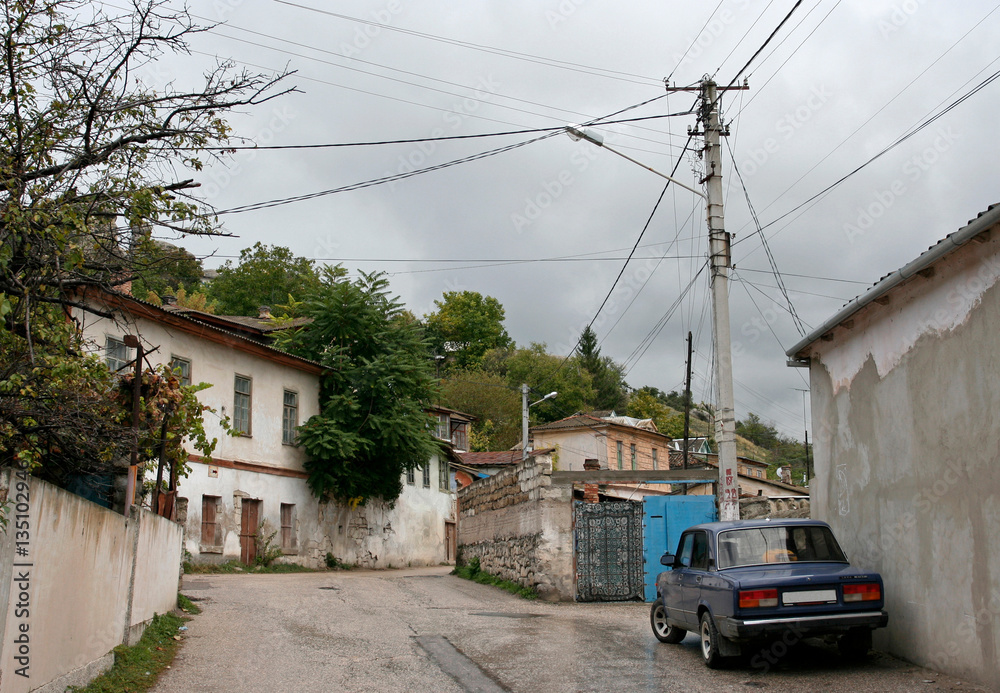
column 664, row 518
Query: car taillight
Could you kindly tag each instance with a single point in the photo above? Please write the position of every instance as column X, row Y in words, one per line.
column 758, row 598
column 865, row 592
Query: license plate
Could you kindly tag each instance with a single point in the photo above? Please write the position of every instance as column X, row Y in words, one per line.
column 810, row 597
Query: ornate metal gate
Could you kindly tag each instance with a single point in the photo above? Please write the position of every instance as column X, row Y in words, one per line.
column 608, row 551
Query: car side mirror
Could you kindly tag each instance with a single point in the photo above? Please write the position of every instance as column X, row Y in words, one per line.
column 667, row 559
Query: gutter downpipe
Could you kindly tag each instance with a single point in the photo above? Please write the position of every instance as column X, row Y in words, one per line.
column 984, row 222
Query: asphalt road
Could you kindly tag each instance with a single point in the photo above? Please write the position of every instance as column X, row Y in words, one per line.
column 424, row 630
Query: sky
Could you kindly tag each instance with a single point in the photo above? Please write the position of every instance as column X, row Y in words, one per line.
column 546, row 227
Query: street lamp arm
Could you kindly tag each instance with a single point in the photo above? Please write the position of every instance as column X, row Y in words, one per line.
column 578, row 133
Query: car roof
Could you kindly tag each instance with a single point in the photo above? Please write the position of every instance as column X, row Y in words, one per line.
column 717, row 527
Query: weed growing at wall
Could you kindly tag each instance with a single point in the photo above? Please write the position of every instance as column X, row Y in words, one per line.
column 472, row 571
column 136, row 668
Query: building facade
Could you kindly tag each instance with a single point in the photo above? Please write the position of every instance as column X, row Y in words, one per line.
column 256, row 480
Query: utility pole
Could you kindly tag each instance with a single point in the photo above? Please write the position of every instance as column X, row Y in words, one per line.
column 808, row 471
column 524, row 421
column 719, row 258
column 687, row 411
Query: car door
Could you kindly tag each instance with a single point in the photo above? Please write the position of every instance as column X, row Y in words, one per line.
column 692, row 577
column 678, row 581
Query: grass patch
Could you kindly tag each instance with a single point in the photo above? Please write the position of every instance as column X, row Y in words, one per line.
column 187, row 606
column 237, row 567
column 472, row 571
column 136, row 668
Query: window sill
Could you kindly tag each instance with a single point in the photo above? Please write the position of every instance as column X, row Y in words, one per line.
column 205, row 548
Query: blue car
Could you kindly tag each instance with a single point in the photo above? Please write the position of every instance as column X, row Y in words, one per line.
column 739, row 582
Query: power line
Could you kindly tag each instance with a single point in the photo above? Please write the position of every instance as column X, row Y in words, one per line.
column 416, row 140
column 549, row 62
column 900, row 140
column 409, row 174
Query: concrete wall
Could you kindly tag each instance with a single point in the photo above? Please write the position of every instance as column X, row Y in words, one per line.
column 520, row 527
column 907, row 468
column 69, row 593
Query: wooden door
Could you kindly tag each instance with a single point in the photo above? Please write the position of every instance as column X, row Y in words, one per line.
column 450, row 540
column 249, row 523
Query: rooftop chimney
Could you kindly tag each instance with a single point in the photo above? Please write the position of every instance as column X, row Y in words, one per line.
column 265, row 313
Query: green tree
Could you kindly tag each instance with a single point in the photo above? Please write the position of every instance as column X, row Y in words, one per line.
column 372, row 424
column 162, row 268
column 546, row 373
column 465, row 326
column 757, row 432
column 610, row 389
column 264, row 276
column 92, row 162
column 495, row 404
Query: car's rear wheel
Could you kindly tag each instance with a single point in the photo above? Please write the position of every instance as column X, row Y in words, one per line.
column 663, row 631
column 855, row 644
column 710, row 642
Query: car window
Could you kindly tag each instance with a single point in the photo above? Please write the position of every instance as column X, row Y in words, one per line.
column 684, row 552
column 699, row 554
column 759, row 545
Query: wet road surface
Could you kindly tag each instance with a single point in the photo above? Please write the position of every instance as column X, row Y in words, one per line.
column 425, row 630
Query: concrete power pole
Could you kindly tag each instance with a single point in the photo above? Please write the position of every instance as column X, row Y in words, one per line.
column 719, row 258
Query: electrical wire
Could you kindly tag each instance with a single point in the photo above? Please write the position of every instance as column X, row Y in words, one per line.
column 409, row 174
column 549, row 62
column 767, row 248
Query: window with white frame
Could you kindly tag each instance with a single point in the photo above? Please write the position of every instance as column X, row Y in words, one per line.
column 443, row 430
column 426, row 469
column 656, row 459
column 411, row 476
column 289, row 417
column 443, row 473
column 116, row 354
column 242, row 391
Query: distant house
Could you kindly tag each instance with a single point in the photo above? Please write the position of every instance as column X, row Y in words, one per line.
column 752, row 476
column 616, row 442
column 905, row 401
column 479, row 465
column 695, row 445
column 259, row 474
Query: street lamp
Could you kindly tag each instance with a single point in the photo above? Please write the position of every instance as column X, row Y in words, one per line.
column 719, row 258
column 578, row 133
column 524, row 417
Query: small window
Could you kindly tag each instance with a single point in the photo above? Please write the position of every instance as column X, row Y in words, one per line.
column 182, row 369
column 210, row 526
column 635, row 460
column 620, row 448
column 116, row 353
column 443, row 430
column 287, row 525
column 656, row 460
column 460, row 435
column 426, row 469
column 289, row 417
column 411, row 476
column 241, row 405
column 443, row 473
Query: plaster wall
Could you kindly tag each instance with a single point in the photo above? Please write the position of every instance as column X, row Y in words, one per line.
column 905, row 408
column 70, row 595
column 219, row 364
column 573, row 447
column 373, row 535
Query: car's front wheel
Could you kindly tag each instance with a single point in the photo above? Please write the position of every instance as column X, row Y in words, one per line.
column 663, row 631
column 710, row 642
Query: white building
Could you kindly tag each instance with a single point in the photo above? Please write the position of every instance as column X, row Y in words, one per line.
column 258, row 477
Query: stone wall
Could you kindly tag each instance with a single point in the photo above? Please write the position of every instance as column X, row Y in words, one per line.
column 520, row 527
